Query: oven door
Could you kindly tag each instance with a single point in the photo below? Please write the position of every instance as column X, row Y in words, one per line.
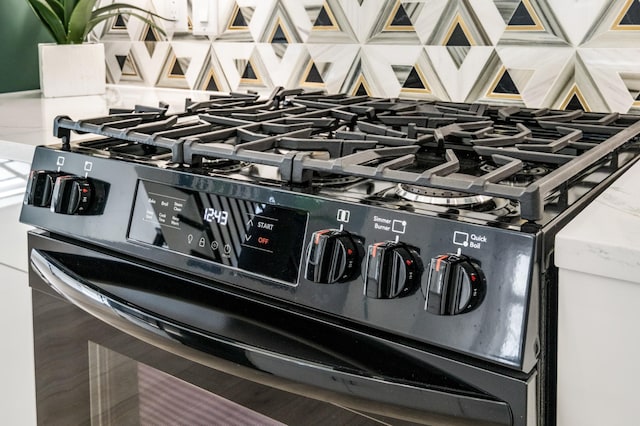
column 147, row 346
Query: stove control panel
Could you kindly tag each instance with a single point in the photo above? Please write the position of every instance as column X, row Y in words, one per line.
column 455, row 285
column 393, row 270
column 333, row 256
column 462, row 286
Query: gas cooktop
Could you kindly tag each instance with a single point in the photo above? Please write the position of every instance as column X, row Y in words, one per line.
column 500, row 165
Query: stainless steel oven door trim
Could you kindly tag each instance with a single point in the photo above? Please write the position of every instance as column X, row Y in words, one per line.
column 275, row 368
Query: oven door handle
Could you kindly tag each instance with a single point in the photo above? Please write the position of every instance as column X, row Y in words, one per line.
column 337, row 383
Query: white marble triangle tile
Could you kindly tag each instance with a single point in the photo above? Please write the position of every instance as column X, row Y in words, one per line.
column 428, row 20
column 114, row 52
column 362, row 17
column 577, row 17
column 609, row 68
column 281, row 69
column 379, row 60
column 543, row 64
column 197, row 53
column 338, row 59
column 229, row 54
column 607, row 32
column 150, row 66
column 300, row 11
column 488, row 14
column 521, row 77
column 458, row 82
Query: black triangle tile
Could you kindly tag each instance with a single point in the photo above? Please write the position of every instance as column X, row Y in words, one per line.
column 119, row 23
column 211, row 84
column 506, row 86
column 401, row 19
column 361, row 90
column 176, row 70
column 574, row 103
column 458, row 37
column 313, row 76
column 249, row 73
column 632, row 16
column 121, row 61
column 323, row 19
column 279, row 36
column 521, row 17
column 238, row 20
column 414, row 81
column 150, row 35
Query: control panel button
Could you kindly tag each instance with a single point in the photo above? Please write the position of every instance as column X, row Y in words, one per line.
column 455, row 285
column 40, row 187
column 71, row 195
column 333, row 256
column 393, row 270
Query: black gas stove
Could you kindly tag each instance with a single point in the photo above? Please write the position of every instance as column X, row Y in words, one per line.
column 428, row 224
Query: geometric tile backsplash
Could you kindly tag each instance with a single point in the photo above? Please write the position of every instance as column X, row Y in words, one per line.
column 538, row 53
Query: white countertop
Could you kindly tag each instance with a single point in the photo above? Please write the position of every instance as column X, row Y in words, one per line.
column 604, row 239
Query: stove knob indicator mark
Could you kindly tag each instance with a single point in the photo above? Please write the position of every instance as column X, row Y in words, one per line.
column 71, row 195
column 393, row 270
column 455, row 285
column 333, row 256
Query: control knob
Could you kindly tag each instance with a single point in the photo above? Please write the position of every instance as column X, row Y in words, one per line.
column 455, row 285
column 333, row 256
column 393, row 270
column 40, row 187
column 71, row 195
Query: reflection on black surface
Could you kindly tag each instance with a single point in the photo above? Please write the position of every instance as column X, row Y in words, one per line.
column 256, row 237
column 217, row 313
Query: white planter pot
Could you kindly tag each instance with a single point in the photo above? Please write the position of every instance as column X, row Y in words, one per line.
column 71, row 69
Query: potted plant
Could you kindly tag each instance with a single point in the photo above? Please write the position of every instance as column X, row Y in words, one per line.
column 71, row 66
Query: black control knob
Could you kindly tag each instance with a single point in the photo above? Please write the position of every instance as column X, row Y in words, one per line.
column 333, row 256
column 40, row 187
column 455, row 285
column 393, row 270
column 71, row 195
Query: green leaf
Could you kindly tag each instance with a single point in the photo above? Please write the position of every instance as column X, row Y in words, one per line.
column 50, row 20
column 69, row 5
column 70, row 21
column 58, row 9
column 78, row 21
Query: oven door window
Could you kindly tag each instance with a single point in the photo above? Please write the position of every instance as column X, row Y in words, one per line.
column 125, row 391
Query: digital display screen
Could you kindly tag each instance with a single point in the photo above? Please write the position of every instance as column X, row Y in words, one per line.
column 256, row 237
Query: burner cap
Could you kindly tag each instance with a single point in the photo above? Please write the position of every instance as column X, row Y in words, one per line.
column 440, row 197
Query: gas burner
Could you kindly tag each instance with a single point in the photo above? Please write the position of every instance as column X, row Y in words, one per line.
column 524, row 177
column 334, row 181
column 221, row 165
column 440, row 197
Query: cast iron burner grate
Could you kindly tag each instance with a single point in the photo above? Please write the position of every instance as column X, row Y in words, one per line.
column 524, row 155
